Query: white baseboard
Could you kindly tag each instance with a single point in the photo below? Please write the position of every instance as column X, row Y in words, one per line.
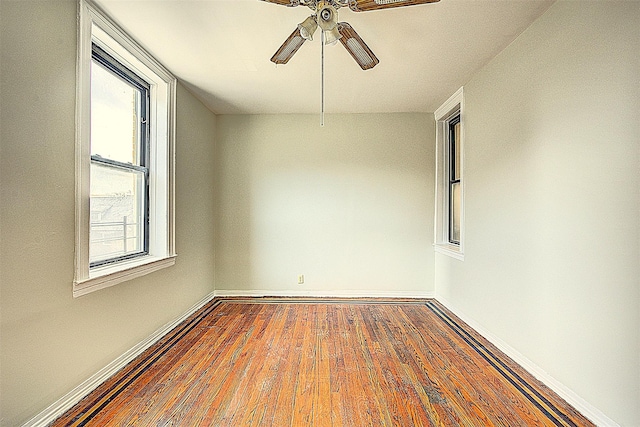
column 584, row 407
column 323, row 294
column 67, row 401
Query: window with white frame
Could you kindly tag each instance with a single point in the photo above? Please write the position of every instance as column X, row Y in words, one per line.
column 449, row 215
column 125, row 124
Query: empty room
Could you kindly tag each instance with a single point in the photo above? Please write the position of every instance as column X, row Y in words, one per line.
column 320, row 213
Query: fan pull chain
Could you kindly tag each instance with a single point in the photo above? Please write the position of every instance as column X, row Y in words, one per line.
column 322, row 82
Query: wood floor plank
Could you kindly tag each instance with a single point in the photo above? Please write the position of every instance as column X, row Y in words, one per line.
column 468, row 378
column 455, row 381
column 302, row 362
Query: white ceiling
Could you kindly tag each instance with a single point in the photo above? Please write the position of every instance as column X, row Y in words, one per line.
column 221, row 50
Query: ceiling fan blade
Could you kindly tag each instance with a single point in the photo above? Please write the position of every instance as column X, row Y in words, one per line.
column 289, row 3
column 357, row 47
column 365, row 5
column 288, row 48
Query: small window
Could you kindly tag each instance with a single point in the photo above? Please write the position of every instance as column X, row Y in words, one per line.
column 455, row 195
column 125, row 125
column 449, row 215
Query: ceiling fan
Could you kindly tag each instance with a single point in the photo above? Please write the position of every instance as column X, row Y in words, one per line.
column 326, row 17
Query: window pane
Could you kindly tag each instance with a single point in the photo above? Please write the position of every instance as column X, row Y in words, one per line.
column 454, row 214
column 456, row 152
column 117, row 212
column 115, row 109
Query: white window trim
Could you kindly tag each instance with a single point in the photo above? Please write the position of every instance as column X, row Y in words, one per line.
column 442, row 116
column 95, row 26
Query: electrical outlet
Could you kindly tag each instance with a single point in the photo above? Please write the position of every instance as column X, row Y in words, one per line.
column 300, row 279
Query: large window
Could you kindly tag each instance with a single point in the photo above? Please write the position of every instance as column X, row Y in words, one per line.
column 124, row 157
column 119, row 181
column 449, row 215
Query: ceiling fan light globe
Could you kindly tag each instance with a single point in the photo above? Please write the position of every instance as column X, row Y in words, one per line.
column 331, row 37
column 308, row 27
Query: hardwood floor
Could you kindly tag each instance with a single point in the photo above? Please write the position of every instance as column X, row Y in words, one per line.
column 295, row 362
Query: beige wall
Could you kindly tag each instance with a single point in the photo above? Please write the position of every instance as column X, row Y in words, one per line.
column 552, row 254
column 51, row 342
column 349, row 205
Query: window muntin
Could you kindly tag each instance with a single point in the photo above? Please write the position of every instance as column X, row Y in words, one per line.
column 119, row 195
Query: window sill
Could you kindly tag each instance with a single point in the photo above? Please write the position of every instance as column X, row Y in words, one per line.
column 450, row 250
column 104, row 277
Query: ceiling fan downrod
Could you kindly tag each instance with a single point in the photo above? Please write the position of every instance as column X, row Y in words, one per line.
column 322, row 80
